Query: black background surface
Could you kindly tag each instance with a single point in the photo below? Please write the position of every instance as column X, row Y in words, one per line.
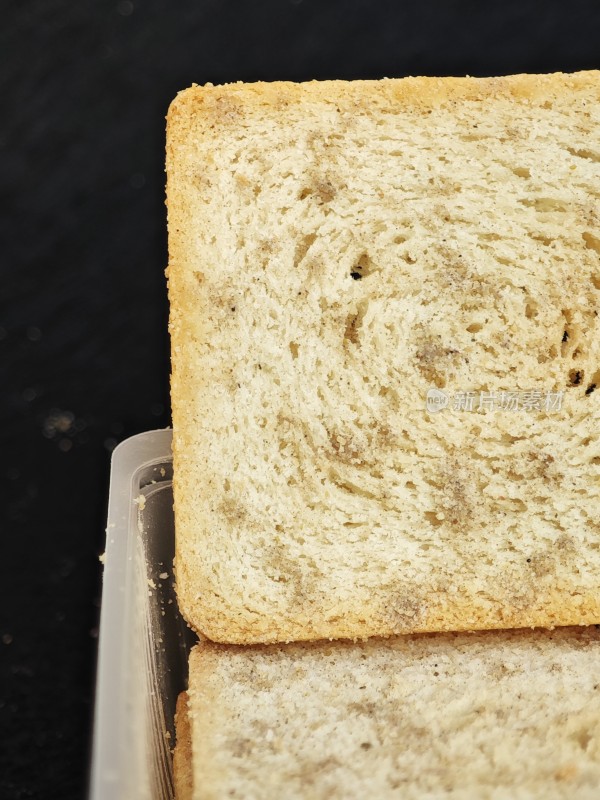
column 83, row 315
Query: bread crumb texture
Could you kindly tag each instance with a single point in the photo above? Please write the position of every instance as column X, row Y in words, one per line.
column 499, row 715
column 336, row 250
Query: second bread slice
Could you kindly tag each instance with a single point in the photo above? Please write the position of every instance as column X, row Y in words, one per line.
column 501, row 715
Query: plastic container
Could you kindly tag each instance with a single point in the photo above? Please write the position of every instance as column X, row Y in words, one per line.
column 143, row 642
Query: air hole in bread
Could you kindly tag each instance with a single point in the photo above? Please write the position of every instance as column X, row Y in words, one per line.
column 589, row 155
column 545, row 240
column 596, row 281
column 584, row 737
column 488, row 237
column 433, row 519
column 508, row 438
column 593, row 242
column 474, row 327
column 575, row 377
column 594, row 383
column 545, row 204
column 531, row 309
column 302, row 248
column 564, row 347
column 294, row 349
column 352, row 326
column 362, row 268
column 568, row 332
column 522, row 172
column 322, row 190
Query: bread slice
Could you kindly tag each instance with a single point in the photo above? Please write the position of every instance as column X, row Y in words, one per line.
column 487, row 715
column 183, row 767
column 337, row 251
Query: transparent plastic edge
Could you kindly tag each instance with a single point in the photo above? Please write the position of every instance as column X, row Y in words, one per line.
column 111, row 728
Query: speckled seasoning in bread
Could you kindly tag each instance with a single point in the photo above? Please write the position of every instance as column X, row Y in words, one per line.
column 337, row 251
column 499, row 715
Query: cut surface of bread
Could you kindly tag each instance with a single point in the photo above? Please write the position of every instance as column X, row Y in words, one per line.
column 473, row 716
column 337, row 252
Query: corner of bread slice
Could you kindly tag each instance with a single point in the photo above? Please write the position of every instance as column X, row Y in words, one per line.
column 211, row 617
column 184, row 101
column 219, row 102
column 183, row 773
